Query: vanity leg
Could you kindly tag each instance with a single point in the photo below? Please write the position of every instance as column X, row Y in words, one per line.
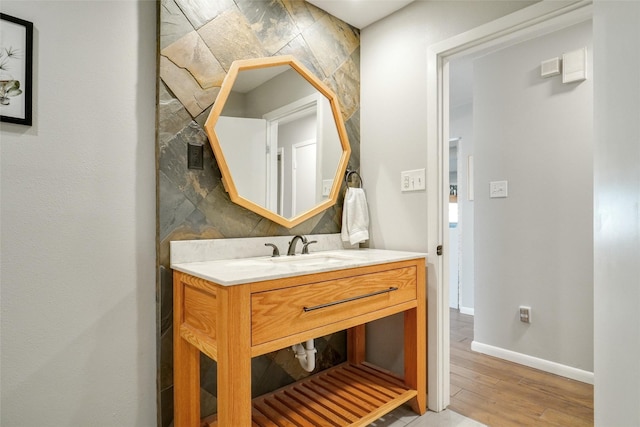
column 415, row 362
column 186, row 367
column 234, row 356
column 356, row 350
column 415, row 347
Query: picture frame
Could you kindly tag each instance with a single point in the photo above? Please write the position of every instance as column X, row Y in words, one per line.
column 16, row 70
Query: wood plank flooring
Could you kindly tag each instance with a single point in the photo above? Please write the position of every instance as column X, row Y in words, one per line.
column 501, row 393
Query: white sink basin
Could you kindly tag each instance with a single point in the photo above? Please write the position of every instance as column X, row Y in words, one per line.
column 312, row 259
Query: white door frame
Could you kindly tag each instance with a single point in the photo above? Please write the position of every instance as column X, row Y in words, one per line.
column 543, row 17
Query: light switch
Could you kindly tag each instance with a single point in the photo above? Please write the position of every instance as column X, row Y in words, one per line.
column 326, row 187
column 498, row 189
column 413, row 180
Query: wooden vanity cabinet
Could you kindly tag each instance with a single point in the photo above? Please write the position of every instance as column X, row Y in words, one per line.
column 232, row 324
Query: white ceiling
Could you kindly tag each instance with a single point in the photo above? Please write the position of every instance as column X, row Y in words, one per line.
column 360, row 13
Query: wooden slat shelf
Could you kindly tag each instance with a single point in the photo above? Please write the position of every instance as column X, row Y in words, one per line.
column 345, row 395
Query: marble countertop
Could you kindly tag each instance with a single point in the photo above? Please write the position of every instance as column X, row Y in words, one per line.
column 229, row 272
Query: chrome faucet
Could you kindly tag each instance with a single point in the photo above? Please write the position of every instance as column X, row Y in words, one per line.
column 294, row 242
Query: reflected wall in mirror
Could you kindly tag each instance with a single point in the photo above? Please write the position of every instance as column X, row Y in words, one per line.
column 279, row 139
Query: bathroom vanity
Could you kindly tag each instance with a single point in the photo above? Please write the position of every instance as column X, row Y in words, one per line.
column 236, row 309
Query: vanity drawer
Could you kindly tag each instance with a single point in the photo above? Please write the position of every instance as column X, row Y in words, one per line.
column 291, row 310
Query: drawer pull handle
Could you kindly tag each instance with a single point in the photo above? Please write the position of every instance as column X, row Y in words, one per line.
column 329, row 304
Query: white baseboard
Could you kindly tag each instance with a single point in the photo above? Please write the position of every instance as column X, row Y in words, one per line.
column 466, row 310
column 534, row 362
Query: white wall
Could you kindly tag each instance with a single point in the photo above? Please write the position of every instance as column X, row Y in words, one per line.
column 617, row 213
column 393, row 128
column 393, row 98
column 78, row 221
column 535, row 247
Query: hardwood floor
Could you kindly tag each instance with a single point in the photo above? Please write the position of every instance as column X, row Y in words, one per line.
column 500, row 393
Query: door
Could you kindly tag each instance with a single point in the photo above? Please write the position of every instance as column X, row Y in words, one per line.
column 243, row 141
column 304, row 177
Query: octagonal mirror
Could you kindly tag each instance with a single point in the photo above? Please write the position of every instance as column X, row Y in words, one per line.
column 279, row 138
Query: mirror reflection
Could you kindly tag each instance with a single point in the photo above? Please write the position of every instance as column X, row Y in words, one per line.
column 280, row 141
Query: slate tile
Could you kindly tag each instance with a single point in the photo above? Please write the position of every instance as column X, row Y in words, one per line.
column 186, row 88
column 331, row 42
column 173, row 23
column 208, row 374
column 192, row 54
column 175, row 206
column 270, row 21
column 172, row 116
column 285, row 358
column 166, row 298
column 303, row 13
column 208, row 403
column 166, row 407
column 199, row 12
column 346, row 84
column 230, row 37
column 338, row 342
column 299, row 49
column 229, row 219
column 195, row 184
column 348, row 35
column 353, row 132
column 259, row 365
column 330, row 222
column 265, row 227
column 273, row 378
column 166, row 359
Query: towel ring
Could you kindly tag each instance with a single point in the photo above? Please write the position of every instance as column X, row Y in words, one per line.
column 348, row 175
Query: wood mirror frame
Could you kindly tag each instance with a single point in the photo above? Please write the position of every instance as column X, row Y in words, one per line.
column 227, row 178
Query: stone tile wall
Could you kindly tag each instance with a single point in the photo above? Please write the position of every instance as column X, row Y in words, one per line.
column 199, row 39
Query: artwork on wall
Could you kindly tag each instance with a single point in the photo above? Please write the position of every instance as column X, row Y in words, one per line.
column 16, row 69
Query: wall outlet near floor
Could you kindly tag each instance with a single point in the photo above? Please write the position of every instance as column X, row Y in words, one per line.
column 525, row 314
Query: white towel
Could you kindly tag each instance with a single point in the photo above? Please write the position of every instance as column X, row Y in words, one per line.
column 355, row 217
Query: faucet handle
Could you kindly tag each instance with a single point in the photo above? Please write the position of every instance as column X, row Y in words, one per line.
column 305, row 246
column 276, row 252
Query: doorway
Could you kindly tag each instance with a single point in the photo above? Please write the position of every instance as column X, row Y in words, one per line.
column 542, row 18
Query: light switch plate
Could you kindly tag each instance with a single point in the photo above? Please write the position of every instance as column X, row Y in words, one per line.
column 498, row 189
column 413, row 180
column 326, row 187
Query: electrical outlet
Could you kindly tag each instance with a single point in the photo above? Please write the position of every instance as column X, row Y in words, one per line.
column 195, row 156
column 525, row 314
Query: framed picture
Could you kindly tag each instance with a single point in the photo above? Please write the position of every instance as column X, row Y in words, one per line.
column 16, row 69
